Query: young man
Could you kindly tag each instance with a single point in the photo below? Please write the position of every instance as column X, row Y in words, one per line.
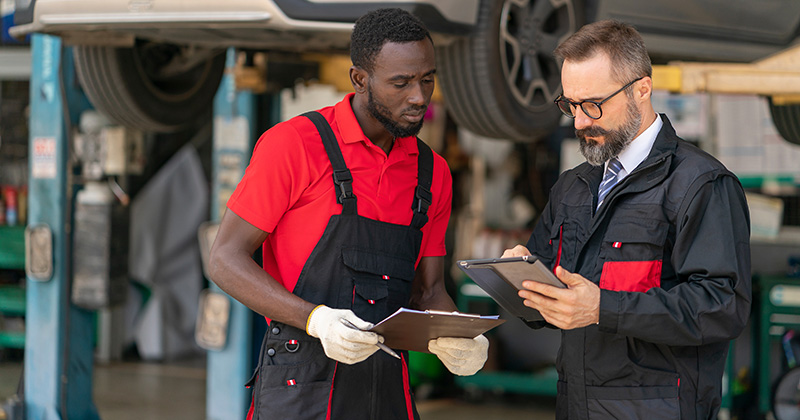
column 651, row 236
column 351, row 210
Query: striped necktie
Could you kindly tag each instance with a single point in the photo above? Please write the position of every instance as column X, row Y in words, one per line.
column 609, row 180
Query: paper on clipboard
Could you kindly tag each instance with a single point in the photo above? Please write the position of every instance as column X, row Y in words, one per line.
column 409, row 329
column 501, row 278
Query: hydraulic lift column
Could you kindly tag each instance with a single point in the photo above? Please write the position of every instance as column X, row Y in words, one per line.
column 58, row 339
column 230, row 366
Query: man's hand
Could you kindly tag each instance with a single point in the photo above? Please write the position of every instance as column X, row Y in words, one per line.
column 574, row 307
column 461, row 356
column 517, row 251
column 342, row 343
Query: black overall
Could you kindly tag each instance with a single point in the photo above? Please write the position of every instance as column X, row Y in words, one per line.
column 359, row 264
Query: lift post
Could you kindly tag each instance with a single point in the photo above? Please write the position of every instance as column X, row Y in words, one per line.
column 58, row 335
column 229, row 368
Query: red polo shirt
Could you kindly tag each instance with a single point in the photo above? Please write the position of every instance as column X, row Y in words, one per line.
column 288, row 188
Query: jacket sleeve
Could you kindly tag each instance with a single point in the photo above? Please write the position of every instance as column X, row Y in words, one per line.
column 711, row 257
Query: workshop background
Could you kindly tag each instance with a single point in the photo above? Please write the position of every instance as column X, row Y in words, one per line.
column 157, row 340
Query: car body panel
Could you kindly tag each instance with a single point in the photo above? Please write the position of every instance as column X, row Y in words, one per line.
column 316, row 25
column 709, row 30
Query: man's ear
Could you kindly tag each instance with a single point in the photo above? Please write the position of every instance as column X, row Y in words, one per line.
column 358, row 78
column 645, row 89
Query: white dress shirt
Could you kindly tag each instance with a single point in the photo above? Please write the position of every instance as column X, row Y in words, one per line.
column 637, row 150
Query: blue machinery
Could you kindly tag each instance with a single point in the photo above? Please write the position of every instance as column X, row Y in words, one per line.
column 58, row 342
column 229, row 368
column 59, row 348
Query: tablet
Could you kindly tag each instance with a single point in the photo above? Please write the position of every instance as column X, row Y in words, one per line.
column 501, row 278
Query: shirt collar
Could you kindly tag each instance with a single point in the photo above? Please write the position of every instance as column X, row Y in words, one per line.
column 351, row 132
column 638, row 150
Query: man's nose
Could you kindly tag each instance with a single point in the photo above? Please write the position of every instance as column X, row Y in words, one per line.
column 581, row 120
column 417, row 95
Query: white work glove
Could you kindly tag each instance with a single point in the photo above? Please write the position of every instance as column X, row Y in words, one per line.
column 341, row 342
column 461, row 356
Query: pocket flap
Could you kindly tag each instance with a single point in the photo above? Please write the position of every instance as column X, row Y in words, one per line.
column 371, row 289
column 369, row 261
column 641, row 231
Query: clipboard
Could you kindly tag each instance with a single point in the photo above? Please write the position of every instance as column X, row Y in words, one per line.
column 501, row 278
column 409, row 329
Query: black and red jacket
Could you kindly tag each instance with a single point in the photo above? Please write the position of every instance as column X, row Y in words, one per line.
column 670, row 251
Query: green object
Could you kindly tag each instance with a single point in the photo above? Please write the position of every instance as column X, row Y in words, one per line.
column 541, row 382
column 424, row 368
column 12, row 340
column 752, row 181
column 12, row 247
column 779, row 311
column 12, row 300
column 12, row 303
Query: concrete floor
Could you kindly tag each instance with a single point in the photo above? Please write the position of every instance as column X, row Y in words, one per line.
column 128, row 391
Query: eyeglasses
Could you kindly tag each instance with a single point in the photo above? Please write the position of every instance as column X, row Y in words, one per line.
column 592, row 109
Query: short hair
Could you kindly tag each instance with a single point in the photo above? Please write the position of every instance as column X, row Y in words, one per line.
column 622, row 42
column 380, row 26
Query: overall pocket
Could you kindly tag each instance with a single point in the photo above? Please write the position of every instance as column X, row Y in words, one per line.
column 295, row 391
column 294, row 376
column 381, row 282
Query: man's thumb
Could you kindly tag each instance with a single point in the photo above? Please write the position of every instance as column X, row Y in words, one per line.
column 566, row 277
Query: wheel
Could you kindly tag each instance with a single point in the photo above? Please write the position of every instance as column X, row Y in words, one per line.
column 786, row 396
column 787, row 121
column 501, row 81
column 152, row 87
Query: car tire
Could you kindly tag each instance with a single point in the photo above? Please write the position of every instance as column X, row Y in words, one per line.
column 500, row 81
column 787, row 121
column 150, row 87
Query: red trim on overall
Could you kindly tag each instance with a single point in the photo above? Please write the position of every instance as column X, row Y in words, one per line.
column 406, row 390
column 560, row 242
column 330, row 394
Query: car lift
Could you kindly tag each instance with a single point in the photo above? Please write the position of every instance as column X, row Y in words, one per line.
column 58, row 335
column 59, row 348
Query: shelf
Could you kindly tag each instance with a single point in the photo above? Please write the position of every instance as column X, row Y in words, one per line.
column 12, row 340
column 12, row 247
column 12, row 300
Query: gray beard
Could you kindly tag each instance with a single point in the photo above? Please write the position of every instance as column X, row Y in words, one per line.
column 615, row 140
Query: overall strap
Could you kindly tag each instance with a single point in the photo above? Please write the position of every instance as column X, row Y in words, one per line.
column 342, row 178
column 422, row 195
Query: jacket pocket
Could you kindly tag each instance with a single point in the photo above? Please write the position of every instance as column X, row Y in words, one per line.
column 563, row 243
column 633, row 403
column 633, row 252
column 630, row 276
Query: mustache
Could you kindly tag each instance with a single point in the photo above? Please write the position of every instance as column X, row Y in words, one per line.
column 592, row 131
column 415, row 109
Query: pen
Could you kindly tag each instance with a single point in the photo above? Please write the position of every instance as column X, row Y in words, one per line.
column 380, row 345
